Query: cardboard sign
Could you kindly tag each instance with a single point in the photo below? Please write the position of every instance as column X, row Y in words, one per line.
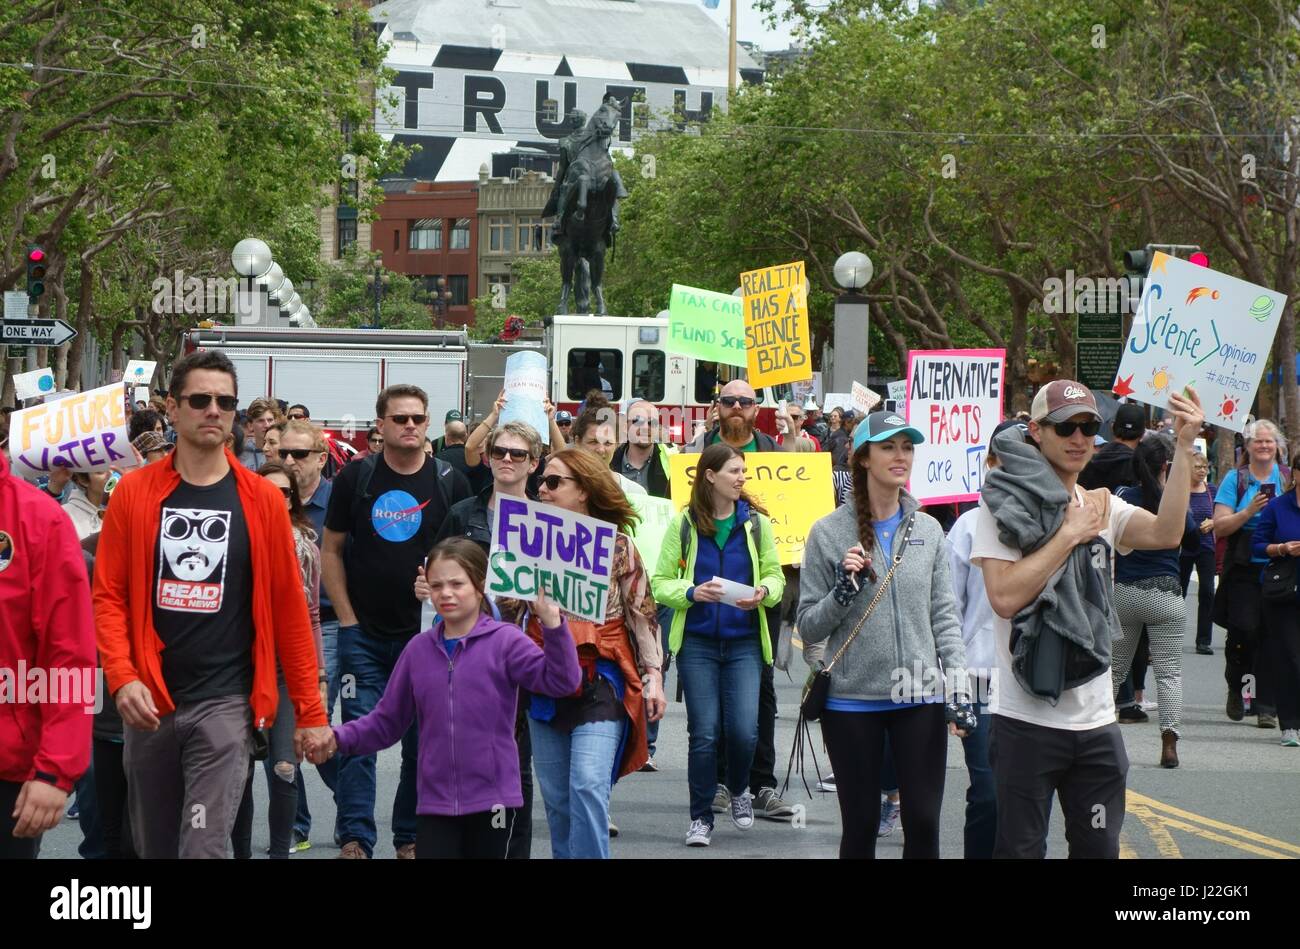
column 706, row 325
column 568, row 555
column 864, row 400
column 794, row 487
column 778, row 345
column 85, row 432
column 809, row 388
column 898, row 391
column 1200, row 328
column 139, row 372
column 525, row 385
column 837, row 400
column 656, row 515
column 33, row 385
column 954, row 397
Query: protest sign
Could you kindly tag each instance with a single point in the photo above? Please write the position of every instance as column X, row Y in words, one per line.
column 706, row 325
column 139, row 372
column 954, row 397
column 808, row 389
column 1200, row 328
column 569, row 555
column 864, row 400
column 525, row 385
column 898, row 390
column 141, row 394
column 733, row 592
column 778, row 345
column 33, row 385
column 86, row 431
column 794, row 487
column 837, row 400
column 656, row 515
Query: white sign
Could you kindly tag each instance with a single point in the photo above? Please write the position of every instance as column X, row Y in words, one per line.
column 37, row 333
column 139, row 372
column 1197, row 327
column 954, row 397
column 16, row 304
column 898, row 390
column 142, row 394
column 808, row 388
column 525, row 386
column 33, row 385
column 864, row 400
column 733, row 592
column 837, row 400
column 85, row 432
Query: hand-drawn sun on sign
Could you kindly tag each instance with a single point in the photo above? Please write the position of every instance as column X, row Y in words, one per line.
column 1228, row 408
column 1160, row 380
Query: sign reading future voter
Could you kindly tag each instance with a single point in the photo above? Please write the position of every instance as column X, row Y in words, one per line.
column 1200, row 328
column 954, row 397
column 87, row 431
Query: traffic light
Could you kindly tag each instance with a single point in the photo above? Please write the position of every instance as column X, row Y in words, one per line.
column 1200, row 259
column 1137, row 262
column 36, row 264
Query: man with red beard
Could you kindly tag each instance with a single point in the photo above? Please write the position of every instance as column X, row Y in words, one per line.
column 737, row 410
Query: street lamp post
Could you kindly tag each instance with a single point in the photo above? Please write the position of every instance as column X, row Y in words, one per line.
column 853, row 271
column 378, row 280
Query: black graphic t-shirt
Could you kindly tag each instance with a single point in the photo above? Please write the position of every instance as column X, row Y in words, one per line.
column 391, row 531
column 203, row 593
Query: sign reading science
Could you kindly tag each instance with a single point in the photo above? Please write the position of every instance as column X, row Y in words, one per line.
column 954, row 397
column 1200, row 328
column 794, row 487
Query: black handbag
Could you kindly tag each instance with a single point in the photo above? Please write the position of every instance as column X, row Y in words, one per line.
column 1278, row 581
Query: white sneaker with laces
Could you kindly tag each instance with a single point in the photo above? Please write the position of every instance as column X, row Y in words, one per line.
column 700, row 834
column 1291, row 738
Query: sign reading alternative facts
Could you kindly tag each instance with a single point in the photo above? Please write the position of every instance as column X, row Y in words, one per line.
column 777, row 341
column 794, row 487
column 706, row 325
column 525, row 386
column 568, row 555
column 1200, row 328
column 85, row 432
column 954, row 397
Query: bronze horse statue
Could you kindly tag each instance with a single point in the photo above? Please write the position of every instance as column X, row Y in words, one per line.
column 585, row 206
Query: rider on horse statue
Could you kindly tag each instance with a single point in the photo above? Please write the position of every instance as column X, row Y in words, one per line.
column 581, row 156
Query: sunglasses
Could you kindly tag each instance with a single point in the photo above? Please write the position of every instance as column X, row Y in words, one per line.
column 565, row 424
column 744, row 401
column 1066, row 429
column 552, row 482
column 287, row 492
column 201, row 400
column 297, row 418
column 298, row 453
column 516, row 454
column 403, row 419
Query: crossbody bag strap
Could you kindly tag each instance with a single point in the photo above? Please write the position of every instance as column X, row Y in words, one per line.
column 880, row 592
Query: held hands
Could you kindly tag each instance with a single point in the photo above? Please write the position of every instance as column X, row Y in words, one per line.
column 547, row 613
column 1188, row 417
column 39, row 808
column 318, row 744
column 136, row 706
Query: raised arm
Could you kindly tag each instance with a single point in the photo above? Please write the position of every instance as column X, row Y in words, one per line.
column 478, row 438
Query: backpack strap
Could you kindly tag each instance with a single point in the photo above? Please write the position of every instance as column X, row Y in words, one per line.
column 685, row 538
column 368, row 466
column 443, row 476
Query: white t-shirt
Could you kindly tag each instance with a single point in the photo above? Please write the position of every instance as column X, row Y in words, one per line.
column 1090, row 705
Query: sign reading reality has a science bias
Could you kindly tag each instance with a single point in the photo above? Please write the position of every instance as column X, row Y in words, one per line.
column 954, row 397
column 85, row 432
column 777, row 341
column 568, row 555
column 1200, row 328
column 707, row 325
column 794, row 487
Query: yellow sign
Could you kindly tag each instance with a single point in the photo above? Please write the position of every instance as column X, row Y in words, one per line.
column 794, row 487
column 778, row 346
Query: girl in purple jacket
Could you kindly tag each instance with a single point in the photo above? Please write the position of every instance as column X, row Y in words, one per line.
column 459, row 682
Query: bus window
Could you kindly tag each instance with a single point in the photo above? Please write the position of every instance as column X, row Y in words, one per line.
column 595, row 369
column 648, row 368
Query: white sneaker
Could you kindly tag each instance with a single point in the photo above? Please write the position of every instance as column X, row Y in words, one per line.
column 1291, row 737
column 742, row 810
column 700, row 834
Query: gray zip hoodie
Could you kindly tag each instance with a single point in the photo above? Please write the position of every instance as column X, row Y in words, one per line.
column 896, row 650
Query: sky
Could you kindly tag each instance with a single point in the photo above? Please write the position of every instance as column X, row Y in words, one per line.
column 750, row 26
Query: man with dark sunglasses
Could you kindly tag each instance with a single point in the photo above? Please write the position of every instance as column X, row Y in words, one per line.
column 383, row 516
column 1068, row 743
column 642, row 458
column 737, row 409
column 298, row 413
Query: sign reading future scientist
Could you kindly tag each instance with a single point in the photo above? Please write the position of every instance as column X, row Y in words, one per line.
column 1200, row 328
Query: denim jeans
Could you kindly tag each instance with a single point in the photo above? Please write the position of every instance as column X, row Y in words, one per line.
column 574, row 772
column 370, row 661
column 665, row 616
column 721, row 679
column 981, row 797
column 329, row 771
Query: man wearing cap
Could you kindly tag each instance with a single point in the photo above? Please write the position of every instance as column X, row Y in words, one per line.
column 564, row 422
column 449, row 421
column 152, row 446
column 1112, row 467
column 1064, row 739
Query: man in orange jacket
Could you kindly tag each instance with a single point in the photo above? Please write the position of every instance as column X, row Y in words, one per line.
column 194, row 584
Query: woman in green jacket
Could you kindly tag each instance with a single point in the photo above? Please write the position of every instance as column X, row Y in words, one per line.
column 719, row 634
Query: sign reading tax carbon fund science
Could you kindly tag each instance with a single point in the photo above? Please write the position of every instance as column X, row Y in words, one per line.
column 1200, row 328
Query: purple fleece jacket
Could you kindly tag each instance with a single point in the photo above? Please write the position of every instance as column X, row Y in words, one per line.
column 468, row 761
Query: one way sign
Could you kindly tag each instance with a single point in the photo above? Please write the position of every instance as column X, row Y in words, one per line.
column 37, row 333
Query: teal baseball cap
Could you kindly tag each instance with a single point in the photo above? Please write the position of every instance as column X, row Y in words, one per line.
column 882, row 426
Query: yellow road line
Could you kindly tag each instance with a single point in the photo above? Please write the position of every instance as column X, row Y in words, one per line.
column 1219, row 838
column 1160, row 835
column 1126, row 851
column 1142, row 799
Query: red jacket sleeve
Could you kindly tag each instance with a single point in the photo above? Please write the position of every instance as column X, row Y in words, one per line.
column 294, row 644
column 112, row 594
column 65, row 650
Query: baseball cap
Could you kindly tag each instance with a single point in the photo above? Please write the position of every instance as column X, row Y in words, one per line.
column 563, row 416
column 146, row 442
column 1130, row 421
column 453, row 416
column 881, row 426
column 1002, row 427
column 1062, row 400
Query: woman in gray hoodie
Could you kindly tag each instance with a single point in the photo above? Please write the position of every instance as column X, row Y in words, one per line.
column 891, row 678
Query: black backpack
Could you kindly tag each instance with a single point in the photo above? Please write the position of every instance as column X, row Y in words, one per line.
column 371, row 462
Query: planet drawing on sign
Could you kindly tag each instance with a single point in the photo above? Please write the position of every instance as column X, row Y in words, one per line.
column 45, row 383
column 1160, row 380
column 1261, row 308
column 1228, row 408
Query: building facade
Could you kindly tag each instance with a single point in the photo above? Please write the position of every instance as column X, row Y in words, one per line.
column 510, row 225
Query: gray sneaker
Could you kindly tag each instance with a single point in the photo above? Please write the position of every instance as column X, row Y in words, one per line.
column 700, row 834
column 1291, row 738
column 1266, row 720
column 889, row 811
column 742, row 811
column 769, row 805
column 721, row 800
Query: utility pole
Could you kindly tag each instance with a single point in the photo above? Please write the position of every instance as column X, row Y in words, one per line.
column 731, row 49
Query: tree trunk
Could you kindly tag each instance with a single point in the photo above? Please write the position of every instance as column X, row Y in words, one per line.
column 77, row 348
column 1017, row 380
column 1285, row 349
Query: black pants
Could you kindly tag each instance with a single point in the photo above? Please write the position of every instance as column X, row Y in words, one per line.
column 11, row 847
column 1281, row 652
column 1243, row 665
column 1203, row 561
column 110, row 794
column 482, row 836
column 855, row 742
column 1086, row 769
column 521, row 841
column 762, row 773
column 282, row 805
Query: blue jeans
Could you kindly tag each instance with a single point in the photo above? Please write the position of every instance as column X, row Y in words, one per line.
column 329, row 771
column 981, row 797
column 574, row 772
column 721, row 679
column 370, row 660
column 665, row 615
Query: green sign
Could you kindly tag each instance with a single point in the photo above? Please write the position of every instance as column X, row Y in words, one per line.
column 656, row 515
column 1100, row 326
column 706, row 325
column 1096, row 362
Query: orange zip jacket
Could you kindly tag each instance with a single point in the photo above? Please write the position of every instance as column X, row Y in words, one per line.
column 128, row 644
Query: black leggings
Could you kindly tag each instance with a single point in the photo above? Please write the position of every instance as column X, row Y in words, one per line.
column 919, row 740
column 11, row 847
column 1281, row 651
column 282, row 807
column 110, row 795
column 482, row 836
